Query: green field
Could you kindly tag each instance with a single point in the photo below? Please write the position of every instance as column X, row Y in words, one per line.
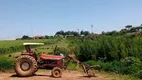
column 9, row 43
column 6, row 63
column 14, row 47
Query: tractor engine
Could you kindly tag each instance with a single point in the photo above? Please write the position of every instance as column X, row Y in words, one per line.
column 50, row 61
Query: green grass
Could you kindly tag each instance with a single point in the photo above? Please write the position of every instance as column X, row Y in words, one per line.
column 101, row 74
column 50, row 48
column 113, row 76
column 9, row 43
column 7, row 63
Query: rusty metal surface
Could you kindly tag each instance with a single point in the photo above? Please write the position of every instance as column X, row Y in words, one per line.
column 89, row 70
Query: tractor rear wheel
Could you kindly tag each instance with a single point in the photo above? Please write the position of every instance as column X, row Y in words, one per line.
column 56, row 72
column 25, row 65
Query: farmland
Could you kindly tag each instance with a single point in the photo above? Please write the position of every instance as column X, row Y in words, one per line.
column 9, row 43
column 8, row 47
column 86, row 47
column 11, row 47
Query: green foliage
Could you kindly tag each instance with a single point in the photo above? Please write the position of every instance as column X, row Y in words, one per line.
column 62, row 33
column 85, row 33
column 129, row 65
column 133, row 64
column 127, row 30
column 139, row 74
column 59, row 50
column 119, row 54
column 130, row 61
column 17, row 45
column 9, row 47
column 46, row 37
column 6, row 63
column 26, row 37
column 108, row 48
column 112, row 33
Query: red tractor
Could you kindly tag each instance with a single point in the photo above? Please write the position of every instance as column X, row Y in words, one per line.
column 28, row 63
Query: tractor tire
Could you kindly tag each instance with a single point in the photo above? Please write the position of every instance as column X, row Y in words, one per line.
column 56, row 72
column 25, row 66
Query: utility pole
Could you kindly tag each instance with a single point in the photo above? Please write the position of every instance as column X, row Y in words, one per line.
column 78, row 31
column 92, row 28
column 32, row 33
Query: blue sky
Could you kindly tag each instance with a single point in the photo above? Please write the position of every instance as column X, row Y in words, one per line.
column 45, row 17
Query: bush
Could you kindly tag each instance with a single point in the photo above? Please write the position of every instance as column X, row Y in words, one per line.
column 131, row 61
column 132, row 64
column 139, row 74
column 119, row 54
column 6, row 63
column 59, row 50
column 129, row 65
column 108, row 48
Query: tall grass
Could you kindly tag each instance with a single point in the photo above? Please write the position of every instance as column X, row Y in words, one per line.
column 109, row 48
column 6, row 63
column 119, row 54
column 11, row 46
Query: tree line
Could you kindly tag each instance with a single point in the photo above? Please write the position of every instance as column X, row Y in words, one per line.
column 61, row 33
column 128, row 29
column 73, row 33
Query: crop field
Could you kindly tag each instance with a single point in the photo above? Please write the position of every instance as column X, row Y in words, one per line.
column 7, row 47
column 9, row 43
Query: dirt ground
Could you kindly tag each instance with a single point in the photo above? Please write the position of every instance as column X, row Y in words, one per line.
column 43, row 75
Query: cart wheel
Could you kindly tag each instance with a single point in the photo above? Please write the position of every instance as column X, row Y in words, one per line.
column 56, row 72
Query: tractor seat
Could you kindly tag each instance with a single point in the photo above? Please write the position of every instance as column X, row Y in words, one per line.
column 50, row 57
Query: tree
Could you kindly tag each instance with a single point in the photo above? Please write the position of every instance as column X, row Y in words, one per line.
column 128, row 27
column 46, row 37
column 60, row 32
column 85, row 33
column 123, row 31
column 26, row 37
column 82, row 32
column 112, row 33
column 138, row 28
column 67, row 32
column 74, row 33
column 103, row 32
column 133, row 29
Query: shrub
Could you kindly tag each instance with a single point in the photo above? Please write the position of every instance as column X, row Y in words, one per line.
column 139, row 74
column 6, row 63
column 131, row 61
column 129, row 65
column 59, row 50
column 109, row 48
column 132, row 64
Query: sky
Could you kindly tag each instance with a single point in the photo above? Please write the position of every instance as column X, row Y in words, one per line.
column 46, row 17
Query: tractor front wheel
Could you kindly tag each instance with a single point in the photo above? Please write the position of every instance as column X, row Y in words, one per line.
column 25, row 65
column 56, row 72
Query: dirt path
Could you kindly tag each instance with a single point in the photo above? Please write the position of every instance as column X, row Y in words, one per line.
column 43, row 75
